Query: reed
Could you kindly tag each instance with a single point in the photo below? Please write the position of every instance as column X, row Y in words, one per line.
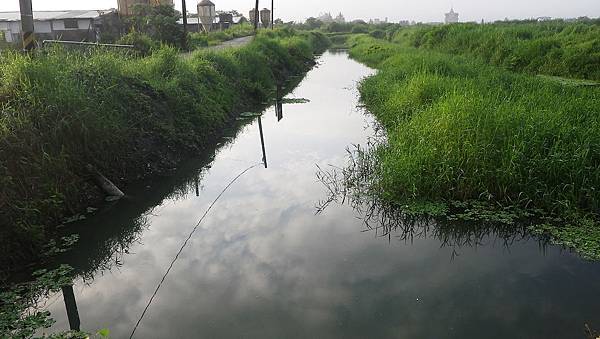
column 567, row 49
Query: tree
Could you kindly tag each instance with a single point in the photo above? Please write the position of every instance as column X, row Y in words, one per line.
column 158, row 22
column 313, row 23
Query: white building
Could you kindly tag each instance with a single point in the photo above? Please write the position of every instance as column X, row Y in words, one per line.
column 452, row 17
column 60, row 25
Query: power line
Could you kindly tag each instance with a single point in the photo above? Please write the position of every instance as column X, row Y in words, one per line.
column 186, row 242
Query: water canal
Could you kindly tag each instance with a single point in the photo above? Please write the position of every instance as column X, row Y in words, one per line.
column 263, row 264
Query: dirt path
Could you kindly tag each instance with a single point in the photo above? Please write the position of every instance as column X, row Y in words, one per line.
column 234, row 43
column 239, row 42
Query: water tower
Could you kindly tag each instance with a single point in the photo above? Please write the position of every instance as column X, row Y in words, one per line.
column 265, row 17
column 206, row 14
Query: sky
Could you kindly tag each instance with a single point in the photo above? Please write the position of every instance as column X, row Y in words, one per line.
column 395, row 10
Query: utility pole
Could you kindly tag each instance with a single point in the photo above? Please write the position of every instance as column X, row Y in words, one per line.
column 27, row 28
column 272, row 14
column 256, row 16
column 185, row 30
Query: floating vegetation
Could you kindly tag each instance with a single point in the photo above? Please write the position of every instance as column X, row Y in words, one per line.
column 19, row 317
column 579, row 233
column 295, row 101
column 250, row 115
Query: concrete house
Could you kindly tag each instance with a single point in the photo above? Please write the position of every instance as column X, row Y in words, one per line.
column 58, row 25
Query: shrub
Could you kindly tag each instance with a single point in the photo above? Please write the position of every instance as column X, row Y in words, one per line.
column 378, row 34
column 360, row 29
column 141, row 42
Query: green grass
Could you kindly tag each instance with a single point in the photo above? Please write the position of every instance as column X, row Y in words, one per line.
column 459, row 129
column 552, row 48
column 128, row 117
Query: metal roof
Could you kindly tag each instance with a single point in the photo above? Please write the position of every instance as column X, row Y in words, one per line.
column 54, row 15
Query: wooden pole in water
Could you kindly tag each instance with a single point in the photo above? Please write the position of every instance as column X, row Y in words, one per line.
column 27, row 28
column 113, row 193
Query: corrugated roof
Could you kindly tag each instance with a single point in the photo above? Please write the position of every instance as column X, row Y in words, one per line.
column 54, row 15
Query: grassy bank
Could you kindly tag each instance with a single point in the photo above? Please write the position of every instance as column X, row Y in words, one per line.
column 128, row 117
column 553, row 48
column 459, row 129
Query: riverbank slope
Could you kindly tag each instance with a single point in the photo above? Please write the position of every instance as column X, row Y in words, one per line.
column 127, row 117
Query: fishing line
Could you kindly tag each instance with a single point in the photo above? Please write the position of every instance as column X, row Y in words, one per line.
column 186, row 242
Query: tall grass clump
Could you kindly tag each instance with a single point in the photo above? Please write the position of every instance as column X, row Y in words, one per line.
column 553, row 48
column 126, row 116
column 459, row 129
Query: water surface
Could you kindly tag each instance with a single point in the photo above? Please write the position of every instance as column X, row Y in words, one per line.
column 264, row 265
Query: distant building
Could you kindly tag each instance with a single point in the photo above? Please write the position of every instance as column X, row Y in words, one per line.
column 60, row 25
column 265, row 17
column 544, row 18
column 451, row 17
column 126, row 6
column 340, row 19
column 326, row 18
